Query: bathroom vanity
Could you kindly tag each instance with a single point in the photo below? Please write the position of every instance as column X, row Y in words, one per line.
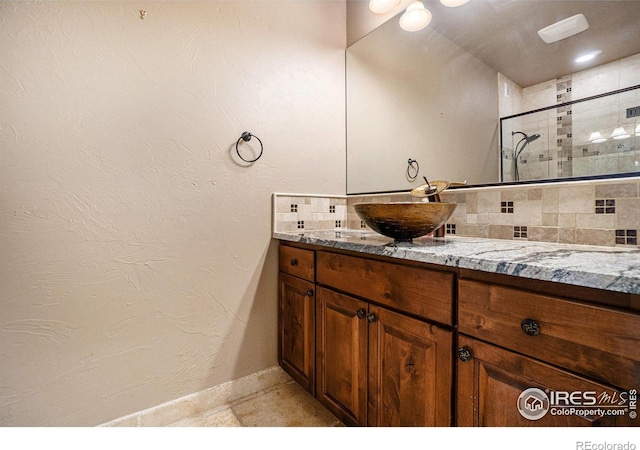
column 452, row 331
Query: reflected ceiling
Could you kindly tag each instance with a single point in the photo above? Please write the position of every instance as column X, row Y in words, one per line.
column 503, row 34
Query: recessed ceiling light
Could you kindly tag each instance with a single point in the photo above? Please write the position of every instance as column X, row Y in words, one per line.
column 587, row 57
column 564, row 29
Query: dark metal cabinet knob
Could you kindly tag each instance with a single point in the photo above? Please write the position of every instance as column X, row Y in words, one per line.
column 371, row 317
column 464, row 354
column 530, row 327
column 361, row 313
column 294, row 262
column 310, row 293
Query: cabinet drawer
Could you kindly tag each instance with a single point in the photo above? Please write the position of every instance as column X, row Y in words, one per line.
column 297, row 262
column 421, row 292
column 595, row 341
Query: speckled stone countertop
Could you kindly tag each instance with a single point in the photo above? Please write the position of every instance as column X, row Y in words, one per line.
column 610, row 268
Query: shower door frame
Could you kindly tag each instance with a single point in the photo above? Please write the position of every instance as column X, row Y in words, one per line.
column 560, row 105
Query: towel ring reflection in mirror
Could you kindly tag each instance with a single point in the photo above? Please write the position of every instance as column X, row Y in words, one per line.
column 413, row 168
column 246, row 137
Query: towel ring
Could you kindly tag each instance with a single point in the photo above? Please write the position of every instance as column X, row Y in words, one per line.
column 246, row 136
column 413, row 164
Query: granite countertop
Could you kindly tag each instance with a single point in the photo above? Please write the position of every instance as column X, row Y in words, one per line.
column 610, row 268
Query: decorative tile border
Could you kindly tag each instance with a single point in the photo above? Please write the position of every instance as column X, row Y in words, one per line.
column 564, row 128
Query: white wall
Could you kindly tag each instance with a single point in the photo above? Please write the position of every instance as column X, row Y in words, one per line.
column 136, row 259
column 418, row 96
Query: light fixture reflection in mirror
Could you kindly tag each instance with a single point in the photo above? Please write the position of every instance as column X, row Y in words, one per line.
column 597, row 138
column 453, row 3
column 620, row 133
column 416, row 17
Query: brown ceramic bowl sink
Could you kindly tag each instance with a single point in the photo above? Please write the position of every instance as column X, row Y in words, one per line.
column 404, row 221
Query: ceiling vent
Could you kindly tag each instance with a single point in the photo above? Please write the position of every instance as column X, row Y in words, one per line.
column 564, row 29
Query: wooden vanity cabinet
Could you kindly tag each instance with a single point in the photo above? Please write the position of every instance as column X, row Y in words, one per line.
column 514, row 339
column 377, row 366
column 296, row 315
column 385, row 343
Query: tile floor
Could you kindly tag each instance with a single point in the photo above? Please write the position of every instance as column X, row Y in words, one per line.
column 283, row 405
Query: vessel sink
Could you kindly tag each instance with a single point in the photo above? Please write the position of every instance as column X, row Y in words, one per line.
column 404, row 221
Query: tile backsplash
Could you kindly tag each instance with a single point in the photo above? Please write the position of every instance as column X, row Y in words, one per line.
column 298, row 212
column 600, row 212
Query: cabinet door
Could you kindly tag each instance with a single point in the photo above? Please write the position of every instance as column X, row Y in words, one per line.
column 296, row 330
column 342, row 355
column 410, row 371
column 492, row 380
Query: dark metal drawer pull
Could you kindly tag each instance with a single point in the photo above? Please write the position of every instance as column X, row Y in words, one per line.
column 464, row 354
column 530, row 327
column 371, row 317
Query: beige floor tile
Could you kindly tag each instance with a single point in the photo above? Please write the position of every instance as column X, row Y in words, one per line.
column 218, row 418
column 286, row 405
column 283, row 405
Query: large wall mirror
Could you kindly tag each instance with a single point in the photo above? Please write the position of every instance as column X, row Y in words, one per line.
column 437, row 96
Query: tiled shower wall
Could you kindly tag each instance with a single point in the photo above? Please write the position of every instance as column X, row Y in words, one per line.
column 604, row 212
column 564, row 149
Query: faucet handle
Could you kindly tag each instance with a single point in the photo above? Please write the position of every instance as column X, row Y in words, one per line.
column 429, row 189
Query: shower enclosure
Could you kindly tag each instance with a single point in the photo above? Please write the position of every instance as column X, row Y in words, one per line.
column 594, row 136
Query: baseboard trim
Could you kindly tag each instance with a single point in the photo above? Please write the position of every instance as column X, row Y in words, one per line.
column 199, row 402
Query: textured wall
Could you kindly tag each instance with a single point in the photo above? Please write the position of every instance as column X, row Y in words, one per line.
column 136, row 262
